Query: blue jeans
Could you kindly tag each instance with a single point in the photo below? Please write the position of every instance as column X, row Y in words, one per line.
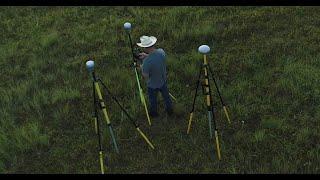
column 153, row 99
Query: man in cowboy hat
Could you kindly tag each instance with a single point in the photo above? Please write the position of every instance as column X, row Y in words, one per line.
column 154, row 71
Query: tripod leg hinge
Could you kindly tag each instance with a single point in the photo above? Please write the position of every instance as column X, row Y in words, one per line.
column 205, row 65
column 102, row 105
column 204, row 91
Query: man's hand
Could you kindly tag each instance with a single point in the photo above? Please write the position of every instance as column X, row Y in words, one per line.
column 143, row 55
column 139, row 67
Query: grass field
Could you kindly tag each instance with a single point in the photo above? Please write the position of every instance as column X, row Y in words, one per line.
column 266, row 61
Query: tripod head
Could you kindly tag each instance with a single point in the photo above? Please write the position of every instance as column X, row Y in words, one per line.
column 204, row 49
column 127, row 26
column 136, row 51
column 90, row 65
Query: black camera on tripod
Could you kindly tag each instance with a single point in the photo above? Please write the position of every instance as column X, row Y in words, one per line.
column 136, row 52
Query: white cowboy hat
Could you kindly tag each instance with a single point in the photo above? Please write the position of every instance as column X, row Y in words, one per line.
column 147, row 41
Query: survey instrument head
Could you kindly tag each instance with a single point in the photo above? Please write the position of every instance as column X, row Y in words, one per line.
column 90, row 65
column 127, row 26
column 204, row 49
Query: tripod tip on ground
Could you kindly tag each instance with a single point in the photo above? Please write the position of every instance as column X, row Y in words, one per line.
column 204, row 49
column 127, row 26
column 90, row 65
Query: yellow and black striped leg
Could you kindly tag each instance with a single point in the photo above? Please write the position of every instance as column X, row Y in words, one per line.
column 103, row 107
column 215, row 132
column 144, row 137
column 207, row 94
column 209, row 101
column 194, row 101
column 95, row 124
column 217, row 144
column 175, row 99
column 143, row 100
column 220, row 97
column 97, row 128
column 101, row 162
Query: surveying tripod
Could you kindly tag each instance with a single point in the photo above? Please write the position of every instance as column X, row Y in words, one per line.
column 205, row 68
column 100, row 103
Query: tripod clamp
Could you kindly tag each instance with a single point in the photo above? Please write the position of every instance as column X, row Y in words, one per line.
column 101, row 103
column 135, row 64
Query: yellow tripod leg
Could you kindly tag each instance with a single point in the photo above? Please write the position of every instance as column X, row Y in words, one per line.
column 101, row 162
column 102, row 103
column 106, row 115
column 217, row 144
column 226, row 112
column 189, row 124
column 145, row 138
column 145, row 106
column 173, row 97
column 95, row 125
column 142, row 97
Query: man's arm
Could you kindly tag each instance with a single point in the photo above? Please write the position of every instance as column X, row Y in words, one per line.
column 162, row 53
column 144, row 73
column 143, row 55
column 144, row 66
